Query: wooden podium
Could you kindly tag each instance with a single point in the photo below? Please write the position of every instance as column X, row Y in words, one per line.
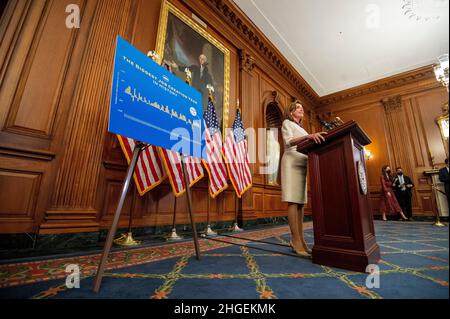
column 344, row 234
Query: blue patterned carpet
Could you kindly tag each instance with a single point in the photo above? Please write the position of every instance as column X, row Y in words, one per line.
column 414, row 265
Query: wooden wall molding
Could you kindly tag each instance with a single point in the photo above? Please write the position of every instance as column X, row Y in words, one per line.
column 24, row 117
column 392, row 104
column 14, row 151
column 399, row 141
column 399, row 115
column 79, row 173
column 246, row 61
column 26, row 19
column 272, row 97
column 237, row 20
column 65, row 176
column 396, row 81
column 11, row 23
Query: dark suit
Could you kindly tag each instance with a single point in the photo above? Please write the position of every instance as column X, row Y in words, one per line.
column 403, row 194
column 443, row 177
column 199, row 81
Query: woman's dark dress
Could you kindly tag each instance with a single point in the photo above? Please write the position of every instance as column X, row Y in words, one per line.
column 388, row 203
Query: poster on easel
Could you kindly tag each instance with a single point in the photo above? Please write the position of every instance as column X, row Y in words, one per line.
column 151, row 105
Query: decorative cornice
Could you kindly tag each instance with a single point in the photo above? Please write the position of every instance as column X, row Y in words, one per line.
column 392, row 103
column 237, row 20
column 246, row 61
column 395, row 81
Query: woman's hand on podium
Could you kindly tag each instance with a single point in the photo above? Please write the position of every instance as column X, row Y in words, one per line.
column 317, row 137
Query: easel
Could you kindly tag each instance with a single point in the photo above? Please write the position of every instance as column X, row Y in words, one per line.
column 139, row 147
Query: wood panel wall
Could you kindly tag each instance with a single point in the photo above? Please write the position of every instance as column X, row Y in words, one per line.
column 61, row 171
column 398, row 114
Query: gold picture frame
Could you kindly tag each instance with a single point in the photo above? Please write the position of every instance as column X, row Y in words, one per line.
column 193, row 33
column 443, row 123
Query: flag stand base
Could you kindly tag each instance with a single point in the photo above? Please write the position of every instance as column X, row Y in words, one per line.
column 174, row 236
column 209, row 231
column 127, row 240
column 236, row 229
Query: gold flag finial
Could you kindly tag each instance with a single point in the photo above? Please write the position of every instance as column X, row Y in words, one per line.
column 210, row 89
column 154, row 56
column 188, row 73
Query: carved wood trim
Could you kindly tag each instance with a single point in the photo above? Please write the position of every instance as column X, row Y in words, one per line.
column 410, row 77
column 21, row 99
column 392, row 104
column 26, row 153
column 400, row 143
column 82, row 160
column 28, row 20
column 237, row 20
column 272, row 97
column 246, row 61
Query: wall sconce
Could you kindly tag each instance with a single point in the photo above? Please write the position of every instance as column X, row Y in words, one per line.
column 441, row 70
column 368, row 155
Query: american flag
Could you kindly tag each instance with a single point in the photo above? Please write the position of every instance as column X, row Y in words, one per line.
column 172, row 162
column 214, row 163
column 236, row 157
column 149, row 171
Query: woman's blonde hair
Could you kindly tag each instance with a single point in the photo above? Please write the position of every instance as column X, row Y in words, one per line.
column 291, row 108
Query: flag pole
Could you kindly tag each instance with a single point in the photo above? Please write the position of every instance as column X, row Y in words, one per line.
column 173, row 235
column 189, row 200
column 127, row 239
column 112, row 230
column 208, row 231
column 235, row 228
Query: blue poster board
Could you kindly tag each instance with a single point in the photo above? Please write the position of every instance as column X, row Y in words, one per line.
column 150, row 104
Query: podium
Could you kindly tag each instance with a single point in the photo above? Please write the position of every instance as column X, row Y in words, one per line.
column 344, row 234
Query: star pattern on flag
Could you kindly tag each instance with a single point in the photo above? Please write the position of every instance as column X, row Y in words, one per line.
column 238, row 129
column 211, row 119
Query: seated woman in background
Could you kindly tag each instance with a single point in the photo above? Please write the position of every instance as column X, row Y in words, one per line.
column 388, row 203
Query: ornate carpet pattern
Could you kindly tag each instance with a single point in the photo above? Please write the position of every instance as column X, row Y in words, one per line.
column 414, row 265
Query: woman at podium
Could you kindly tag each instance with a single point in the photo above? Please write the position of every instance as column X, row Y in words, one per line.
column 293, row 173
column 389, row 203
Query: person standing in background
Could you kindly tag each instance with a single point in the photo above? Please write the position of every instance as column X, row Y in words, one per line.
column 388, row 202
column 403, row 186
column 444, row 177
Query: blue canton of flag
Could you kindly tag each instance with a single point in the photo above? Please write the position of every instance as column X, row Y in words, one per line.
column 211, row 119
column 238, row 128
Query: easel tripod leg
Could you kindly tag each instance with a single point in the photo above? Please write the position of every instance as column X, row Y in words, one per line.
column 188, row 194
column 112, row 231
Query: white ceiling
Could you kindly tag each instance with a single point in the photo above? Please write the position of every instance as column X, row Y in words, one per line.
column 340, row 44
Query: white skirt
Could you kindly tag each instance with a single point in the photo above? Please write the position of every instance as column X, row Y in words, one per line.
column 294, row 167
